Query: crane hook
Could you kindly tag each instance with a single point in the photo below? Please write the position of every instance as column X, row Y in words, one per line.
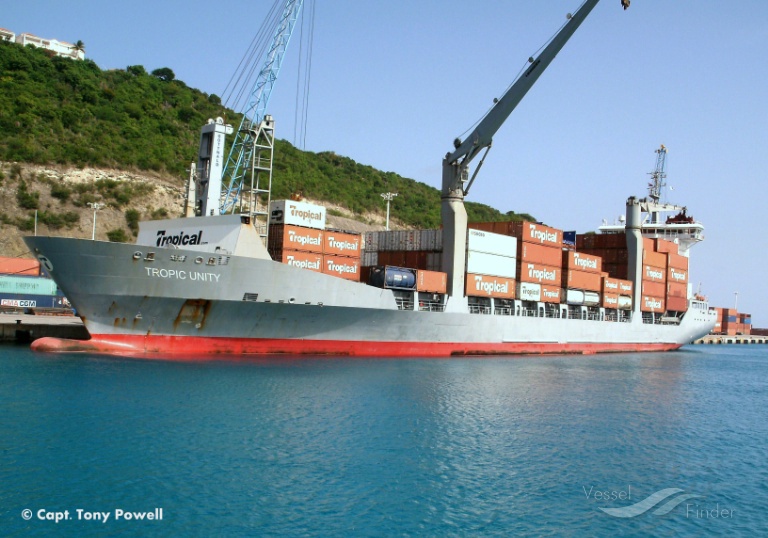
column 625, row 4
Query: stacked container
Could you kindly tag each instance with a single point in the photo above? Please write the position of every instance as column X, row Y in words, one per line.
column 539, row 261
column 297, row 237
column 19, row 266
column 677, row 282
column 341, row 254
column 616, row 293
column 491, row 265
column 420, row 249
column 582, row 278
column 653, row 283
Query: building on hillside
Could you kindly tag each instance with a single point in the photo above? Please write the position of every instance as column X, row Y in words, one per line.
column 61, row 48
column 7, row 35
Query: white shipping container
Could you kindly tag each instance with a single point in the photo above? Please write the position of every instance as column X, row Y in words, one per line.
column 482, row 263
column 625, row 303
column 574, row 297
column 297, row 213
column 527, row 291
column 491, row 243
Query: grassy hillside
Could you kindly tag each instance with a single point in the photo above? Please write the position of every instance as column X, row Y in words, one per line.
column 59, row 111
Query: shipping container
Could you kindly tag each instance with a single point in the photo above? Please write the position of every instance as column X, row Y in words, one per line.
column 654, row 289
column 19, row 266
column 582, row 280
column 654, row 274
column 677, row 275
column 369, row 258
column 393, row 277
column 610, row 300
column 608, row 255
column 342, row 266
column 531, row 232
column 652, row 304
column 540, row 274
column 528, row 291
column 342, row 244
column 491, row 243
column 297, row 213
column 34, row 285
column 677, row 261
column 302, row 260
column 24, row 300
column 616, row 270
column 542, row 254
column 431, row 281
column 676, row 289
column 489, row 286
column 655, row 259
column 289, row 237
column 582, row 261
column 551, row 294
column 581, row 297
column 666, row 246
column 677, row 304
column 610, row 284
column 481, row 263
column 625, row 287
column 625, row 302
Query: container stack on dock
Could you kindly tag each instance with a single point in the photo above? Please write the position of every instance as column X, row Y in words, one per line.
column 298, row 237
column 22, row 287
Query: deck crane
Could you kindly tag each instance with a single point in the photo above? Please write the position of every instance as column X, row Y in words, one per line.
column 251, row 151
column 456, row 162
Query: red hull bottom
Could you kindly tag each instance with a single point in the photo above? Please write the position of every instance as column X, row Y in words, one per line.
column 196, row 348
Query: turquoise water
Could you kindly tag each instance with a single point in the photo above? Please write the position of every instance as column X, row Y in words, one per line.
column 338, row 447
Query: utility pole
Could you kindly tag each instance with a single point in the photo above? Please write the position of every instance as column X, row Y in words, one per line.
column 388, row 196
column 736, row 302
column 96, row 206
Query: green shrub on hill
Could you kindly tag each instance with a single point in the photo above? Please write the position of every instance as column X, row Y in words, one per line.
column 62, row 111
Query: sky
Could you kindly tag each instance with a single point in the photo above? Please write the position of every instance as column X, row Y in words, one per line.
column 393, row 83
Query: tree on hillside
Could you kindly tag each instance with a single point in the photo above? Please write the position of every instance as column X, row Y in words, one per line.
column 80, row 46
column 164, row 73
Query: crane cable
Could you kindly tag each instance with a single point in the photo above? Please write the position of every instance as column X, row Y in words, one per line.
column 240, row 84
column 304, row 76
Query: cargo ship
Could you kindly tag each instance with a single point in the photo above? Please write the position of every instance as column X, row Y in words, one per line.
column 215, row 285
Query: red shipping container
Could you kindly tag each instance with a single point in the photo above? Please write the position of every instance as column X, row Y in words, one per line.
column 610, row 285
column 610, row 300
column 19, row 266
column 654, row 274
column 543, row 254
column 342, row 266
column 652, row 304
column 288, row 237
column 582, row 280
column 677, row 289
column 538, row 273
column 551, row 294
column 677, row 261
column 654, row 289
column 531, row 232
column 489, row 286
column 582, row 261
column 625, row 287
column 677, row 304
column 342, row 244
column 664, row 245
column 677, row 275
column 300, row 259
column 656, row 259
column 431, row 281
column 616, row 270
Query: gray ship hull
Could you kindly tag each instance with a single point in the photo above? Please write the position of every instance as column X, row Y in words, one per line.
column 146, row 301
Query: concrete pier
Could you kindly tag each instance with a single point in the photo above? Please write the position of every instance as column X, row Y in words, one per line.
column 25, row 328
column 732, row 339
